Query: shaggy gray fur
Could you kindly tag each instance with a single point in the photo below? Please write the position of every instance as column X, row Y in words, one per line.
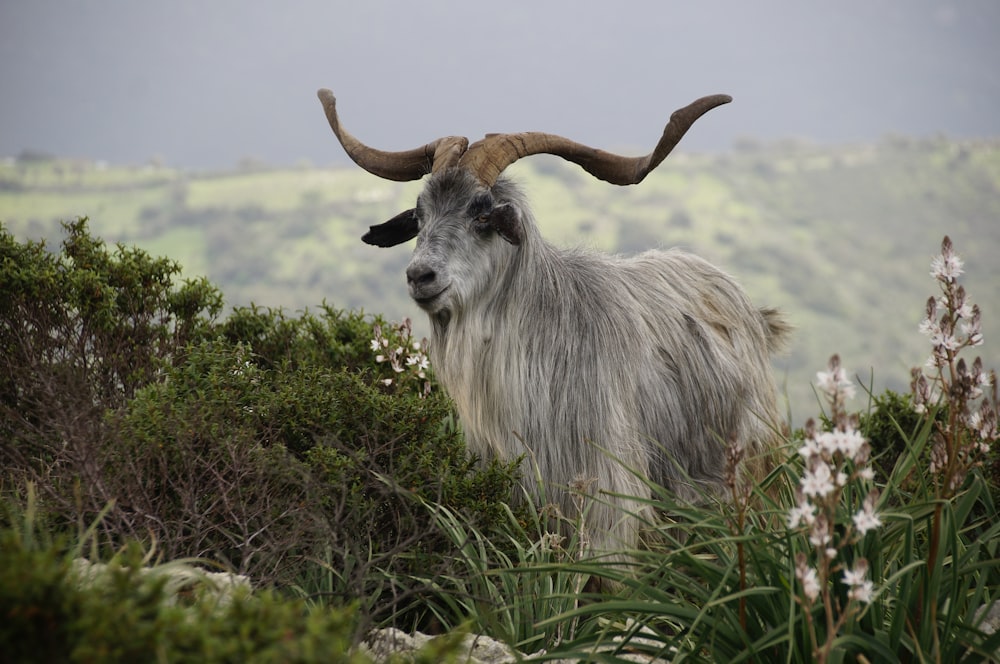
column 594, row 366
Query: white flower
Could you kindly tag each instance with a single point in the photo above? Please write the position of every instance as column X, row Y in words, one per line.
column 375, row 345
column 819, row 537
column 929, row 327
column 804, row 512
column 942, row 340
column 863, row 592
column 946, row 267
column 810, row 582
column 818, row 481
column 386, row 381
column 809, row 449
column 835, row 382
column 973, row 333
column 866, row 520
column 867, row 473
column 856, row 576
column 849, row 442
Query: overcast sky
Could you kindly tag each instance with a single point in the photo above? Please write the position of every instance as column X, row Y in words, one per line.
column 204, row 84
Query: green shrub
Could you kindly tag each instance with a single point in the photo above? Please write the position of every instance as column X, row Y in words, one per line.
column 80, row 332
column 52, row 614
column 284, row 447
column 891, row 421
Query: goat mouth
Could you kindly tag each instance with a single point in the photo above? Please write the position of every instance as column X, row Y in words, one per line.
column 428, row 301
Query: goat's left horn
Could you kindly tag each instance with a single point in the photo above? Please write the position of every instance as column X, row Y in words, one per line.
column 400, row 166
column 488, row 157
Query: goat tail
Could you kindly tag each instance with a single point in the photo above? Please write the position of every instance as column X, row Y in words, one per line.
column 778, row 329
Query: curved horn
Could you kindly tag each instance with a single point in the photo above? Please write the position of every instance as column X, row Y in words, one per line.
column 490, row 156
column 399, row 166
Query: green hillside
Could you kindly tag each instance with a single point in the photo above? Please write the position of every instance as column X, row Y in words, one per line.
column 838, row 237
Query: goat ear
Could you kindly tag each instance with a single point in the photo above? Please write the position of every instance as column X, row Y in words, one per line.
column 506, row 221
column 397, row 230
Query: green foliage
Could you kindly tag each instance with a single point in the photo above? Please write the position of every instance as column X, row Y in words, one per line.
column 891, row 422
column 718, row 586
column 331, row 338
column 82, row 330
column 52, row 612
column 510, row 588
column 263, row 442
column 284, row 447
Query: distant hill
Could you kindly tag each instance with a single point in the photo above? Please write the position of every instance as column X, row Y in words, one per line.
column 838, row 237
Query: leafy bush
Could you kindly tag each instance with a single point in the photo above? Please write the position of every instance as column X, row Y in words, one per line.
column 282, row 447
column 80, row 332
column 53, row 613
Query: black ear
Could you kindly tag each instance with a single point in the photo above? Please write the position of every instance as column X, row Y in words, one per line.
column 397, row 230
column 506, row 222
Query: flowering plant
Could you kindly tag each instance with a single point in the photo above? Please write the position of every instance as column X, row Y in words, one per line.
column 836, row 470
column 963, row 438
column 396, row 348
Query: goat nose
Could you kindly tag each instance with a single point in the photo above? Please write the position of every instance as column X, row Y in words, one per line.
column 419, row 275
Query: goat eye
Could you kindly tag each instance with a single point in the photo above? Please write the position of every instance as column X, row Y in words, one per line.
column 481, row 224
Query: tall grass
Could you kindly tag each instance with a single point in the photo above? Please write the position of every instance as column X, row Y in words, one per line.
column 822, row 561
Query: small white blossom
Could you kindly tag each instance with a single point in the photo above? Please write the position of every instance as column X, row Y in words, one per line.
column 929, row 327
column 819, row 537
column 849, row 442
column 866, row 520
column 818, row 481
column 942, row 340
column 835, row 382
column 809, row 449
column 863, row 592
column 946, row 267
column 972, row 333
column 810, row 582
column 856, row 576
column 867, row 473
column 804, row 512
column 375, row 345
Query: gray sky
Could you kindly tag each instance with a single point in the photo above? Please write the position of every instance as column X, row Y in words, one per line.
column 204, row 84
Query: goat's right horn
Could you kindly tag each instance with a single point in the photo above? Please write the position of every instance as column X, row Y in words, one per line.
column 490, row 156
column 399, row 166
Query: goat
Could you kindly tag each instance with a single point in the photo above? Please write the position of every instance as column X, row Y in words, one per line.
column 622, row 371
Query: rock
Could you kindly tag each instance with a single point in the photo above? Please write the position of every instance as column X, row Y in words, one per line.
column 221, row 586
column 385, row 643
column 990, row 616
column 382, row 644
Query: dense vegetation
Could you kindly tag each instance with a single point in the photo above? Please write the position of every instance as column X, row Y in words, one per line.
column 832, row 235
column 314, row 454
column 257, row 442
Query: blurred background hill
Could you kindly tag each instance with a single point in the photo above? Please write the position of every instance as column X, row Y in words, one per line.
column 840, row 238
